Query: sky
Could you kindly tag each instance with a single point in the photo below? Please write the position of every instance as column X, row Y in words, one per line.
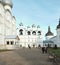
column 39, row 12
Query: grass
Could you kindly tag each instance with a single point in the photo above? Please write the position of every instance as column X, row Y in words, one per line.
column 55, row 51
column 4, row 50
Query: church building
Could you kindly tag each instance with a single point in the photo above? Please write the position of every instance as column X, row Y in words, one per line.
column 51, row 39
column 48, row 36
column 29, row 36
column 8, row 37
column 56, row 39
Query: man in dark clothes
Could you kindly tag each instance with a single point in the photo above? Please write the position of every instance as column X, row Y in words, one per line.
column 43, row 49
column 29, row 47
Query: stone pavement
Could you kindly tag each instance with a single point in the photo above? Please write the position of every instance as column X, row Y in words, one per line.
column 24, row 57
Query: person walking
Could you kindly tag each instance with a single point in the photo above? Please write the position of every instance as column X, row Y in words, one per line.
column 43, row 49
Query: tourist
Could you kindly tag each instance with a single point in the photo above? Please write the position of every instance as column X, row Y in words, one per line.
column 29, row 47
column 43, row 49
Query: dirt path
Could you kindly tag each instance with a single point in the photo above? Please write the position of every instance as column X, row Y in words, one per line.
column 24, row 57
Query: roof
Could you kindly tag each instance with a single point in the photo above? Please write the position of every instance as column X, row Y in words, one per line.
column 48, row 41
column 49, row 33
column 11, row 37
column 53, row 37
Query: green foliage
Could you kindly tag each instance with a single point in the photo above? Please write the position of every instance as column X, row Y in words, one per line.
column 4, row 50
column 55, row 51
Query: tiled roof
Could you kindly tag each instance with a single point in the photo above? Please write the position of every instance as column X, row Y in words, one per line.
column 48, row 41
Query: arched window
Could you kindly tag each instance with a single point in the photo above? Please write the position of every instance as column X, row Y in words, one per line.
column 39, row 32
column 34, row 33
column 12, row 42
column 28, row 33
column 21, row 32
column 7, row 42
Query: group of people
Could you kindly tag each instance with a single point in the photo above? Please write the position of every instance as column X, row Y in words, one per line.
column 44, row 49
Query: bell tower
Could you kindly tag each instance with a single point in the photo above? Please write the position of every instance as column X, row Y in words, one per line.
column 49, row 34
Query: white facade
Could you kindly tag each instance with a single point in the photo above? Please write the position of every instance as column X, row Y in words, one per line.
column 48, row 36
column 29, row 36
column 58, row 37
column 7, row 22
column 55, row 39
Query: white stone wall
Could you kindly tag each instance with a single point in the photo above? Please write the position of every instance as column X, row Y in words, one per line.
column 7, row 24
column 1, row 24
column 14, row 26
column 48, row 37
column 31, row 39
column 54, row 40
column 58, row 37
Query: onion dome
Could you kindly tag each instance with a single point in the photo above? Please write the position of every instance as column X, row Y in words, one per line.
column 7, row 2
column 38, row 26
column 21, row 24
column 58, row 26
column 28, row 26
column 49, row 33
column 33, row 26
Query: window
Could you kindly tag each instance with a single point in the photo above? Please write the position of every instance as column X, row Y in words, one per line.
column 39, row 32
column 21, row 32
column 34, row 33
column 12, row 42
column 7, row 42
column 33, row 45
column 28, row 32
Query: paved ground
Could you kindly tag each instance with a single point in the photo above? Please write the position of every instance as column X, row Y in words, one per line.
column 24, row 57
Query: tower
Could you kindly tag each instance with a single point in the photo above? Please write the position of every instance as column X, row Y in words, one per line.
column 58, row 34
column 7, row 25
column 49, row 34
column 21, row 29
